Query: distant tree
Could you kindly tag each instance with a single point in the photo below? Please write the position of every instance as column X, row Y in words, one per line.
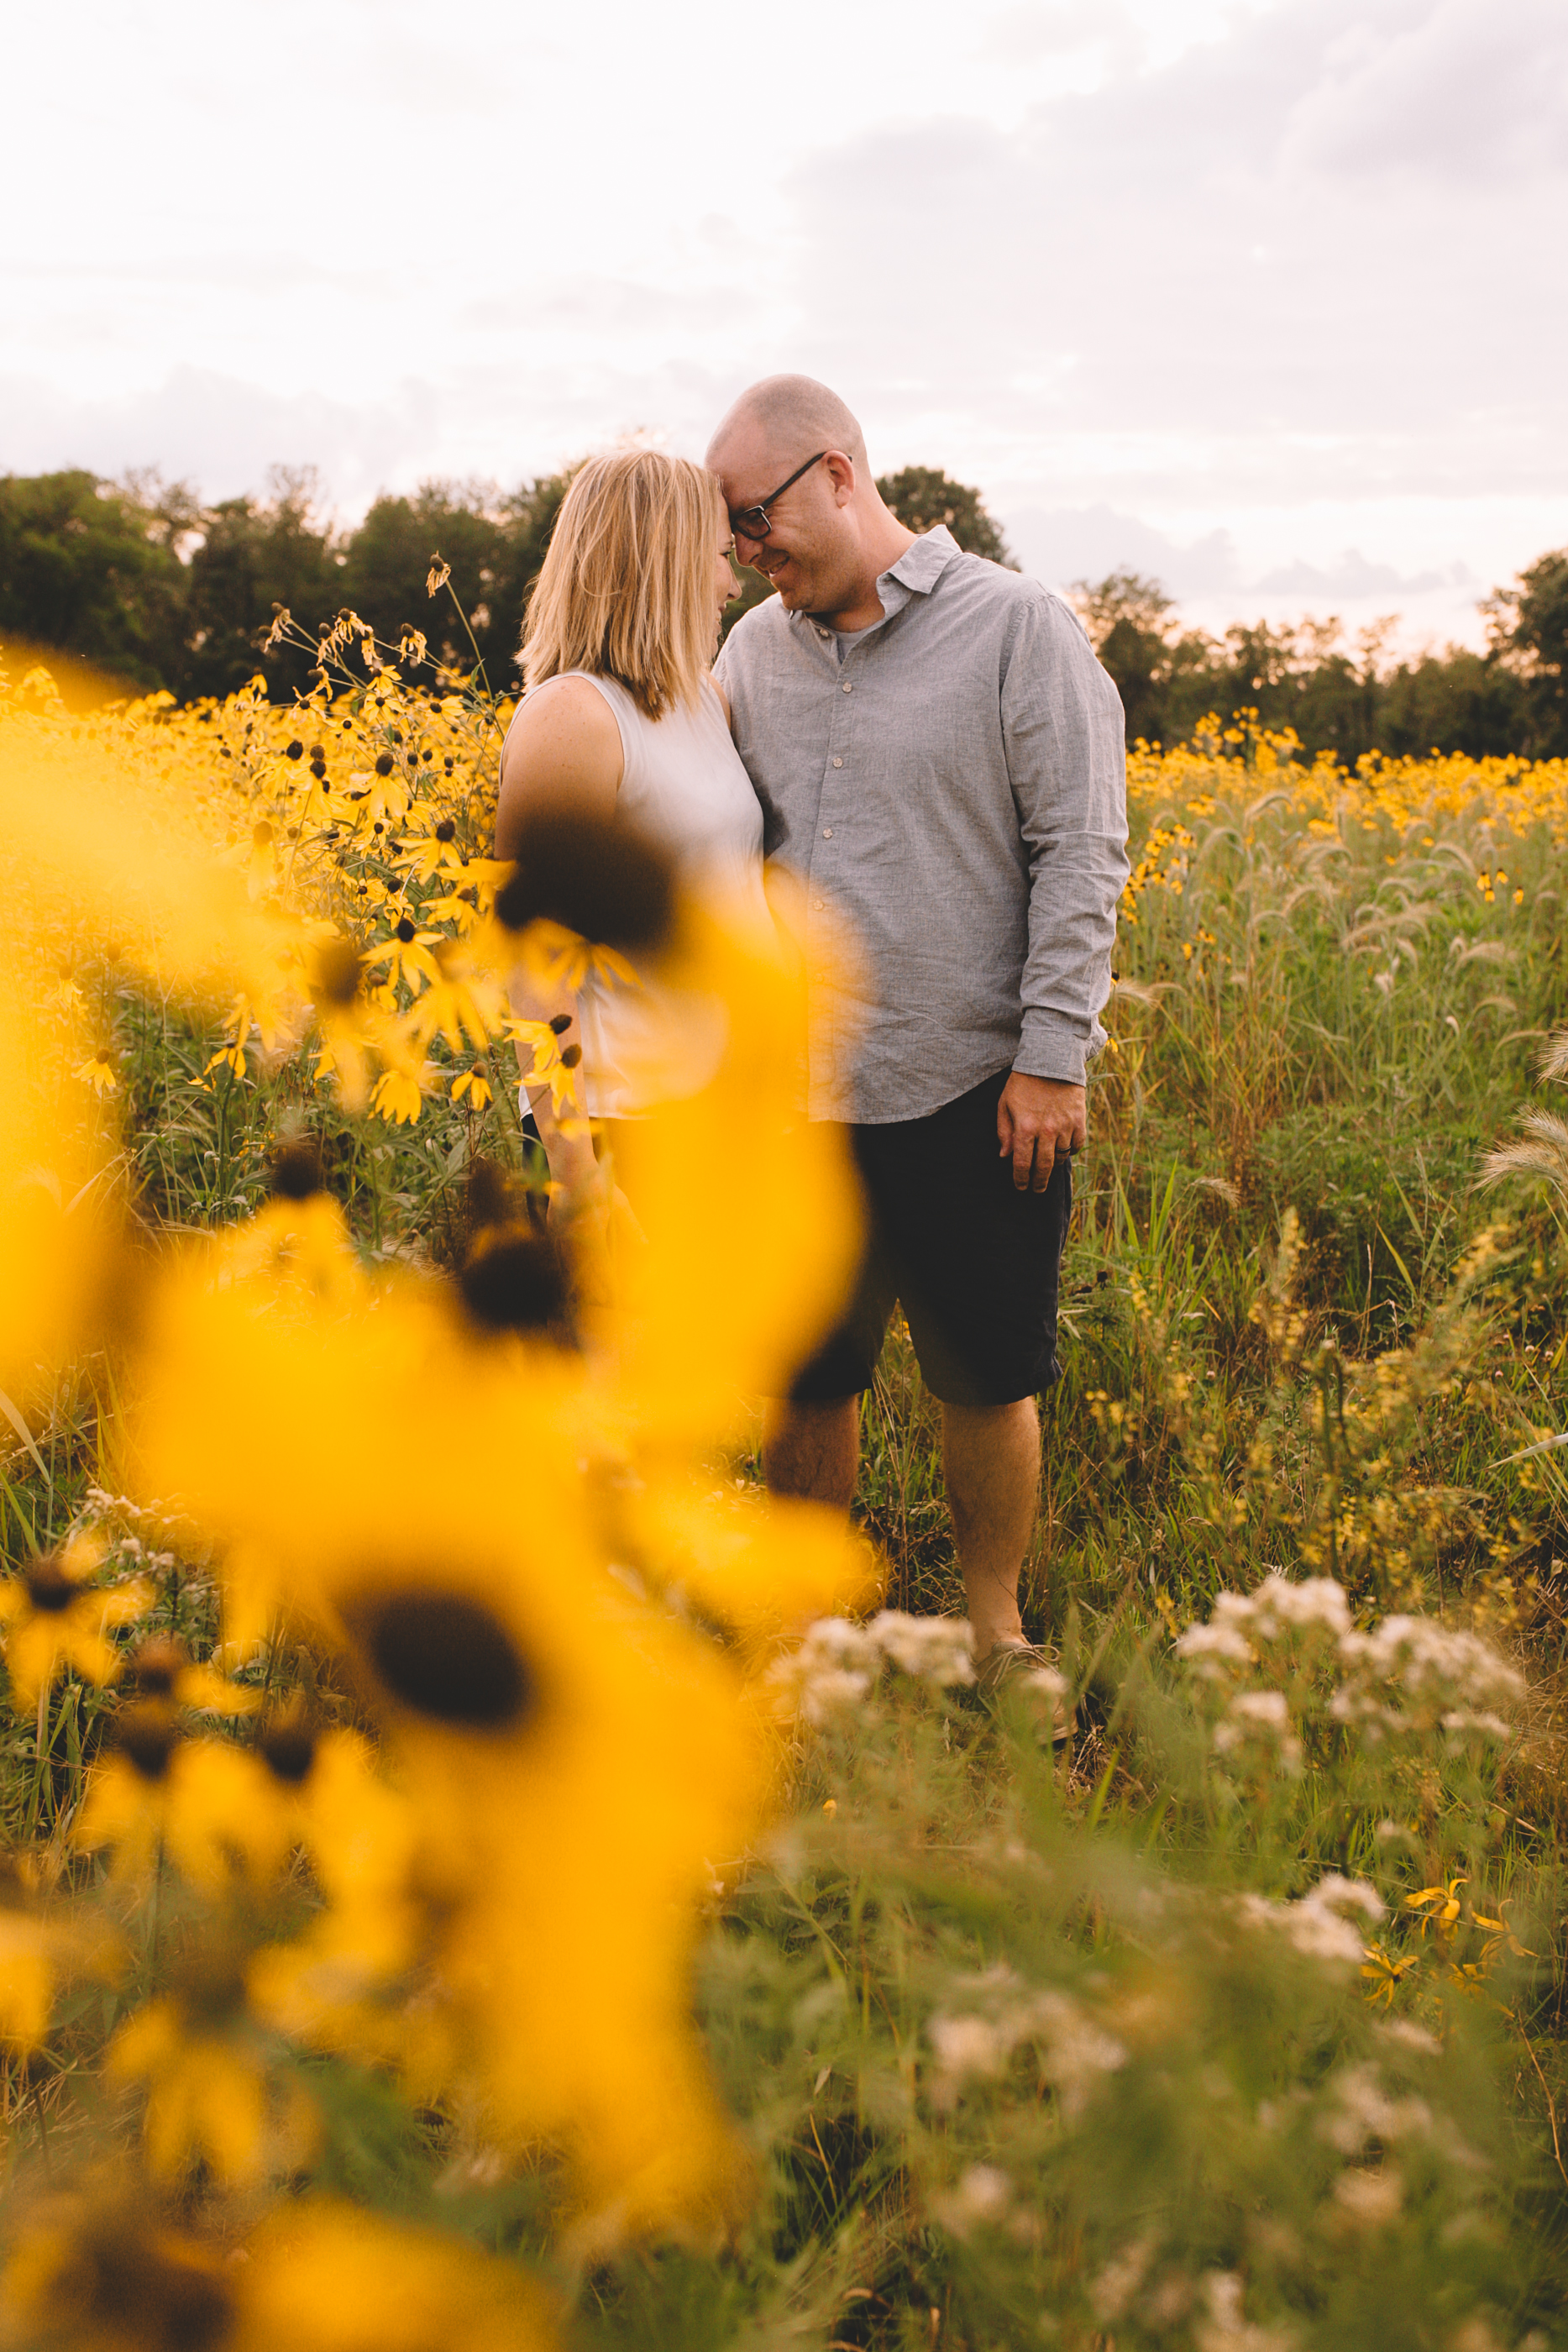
column 923, row 495
column 386, row 562
column 256, row 554
column 1457, row 701
column 92, row 570
column 1157, row 668
column 528, row 516
column 494, row 543
column 1529, row 629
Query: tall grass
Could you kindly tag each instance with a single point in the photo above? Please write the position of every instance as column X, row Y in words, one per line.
column 1071, row 2048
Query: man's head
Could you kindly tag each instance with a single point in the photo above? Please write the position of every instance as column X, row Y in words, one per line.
column 802, row 502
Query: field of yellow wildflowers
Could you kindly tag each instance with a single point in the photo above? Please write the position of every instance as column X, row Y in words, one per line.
column 478, row 1874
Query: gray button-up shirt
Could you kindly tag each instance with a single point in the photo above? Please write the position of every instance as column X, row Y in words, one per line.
column 956, row 786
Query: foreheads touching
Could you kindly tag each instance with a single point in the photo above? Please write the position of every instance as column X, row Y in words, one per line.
column 776, row 425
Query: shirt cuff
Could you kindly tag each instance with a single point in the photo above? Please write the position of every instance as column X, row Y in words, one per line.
column 1051, row 1047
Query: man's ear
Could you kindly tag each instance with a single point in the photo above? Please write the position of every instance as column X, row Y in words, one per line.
column 842, row 474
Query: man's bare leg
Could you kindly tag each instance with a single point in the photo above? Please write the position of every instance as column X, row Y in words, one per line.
column 990, row 1456
column 813, row 1451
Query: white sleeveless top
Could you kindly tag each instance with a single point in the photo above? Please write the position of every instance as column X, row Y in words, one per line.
column 681, row 781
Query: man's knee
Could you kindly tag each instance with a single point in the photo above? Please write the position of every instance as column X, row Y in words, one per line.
column 812, row 1449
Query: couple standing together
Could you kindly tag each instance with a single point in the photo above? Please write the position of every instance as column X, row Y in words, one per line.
column 928, row 746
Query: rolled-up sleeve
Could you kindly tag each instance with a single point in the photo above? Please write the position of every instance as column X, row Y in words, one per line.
column 1065, row 741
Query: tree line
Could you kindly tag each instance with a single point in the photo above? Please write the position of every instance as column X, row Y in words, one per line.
column 144, row 582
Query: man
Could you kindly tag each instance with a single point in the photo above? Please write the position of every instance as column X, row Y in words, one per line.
column 940, row 758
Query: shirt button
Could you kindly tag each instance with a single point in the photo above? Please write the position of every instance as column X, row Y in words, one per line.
column 848, row 687
column 827, row 832
column 838, row 763
column 818, row 905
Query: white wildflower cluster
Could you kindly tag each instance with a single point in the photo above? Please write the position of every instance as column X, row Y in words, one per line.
column 977, row 2043
column 1226, row 2329
column 1329, row 1923
column 1241, row 1623
column 829, row 1673
column 1361, row 2110
column 980, row 2198
column 1257, row 1721
column 1370, row 2200
column 1412, row 1674
column 832, row 1671
column 938, row 1649
column 1163, row 2300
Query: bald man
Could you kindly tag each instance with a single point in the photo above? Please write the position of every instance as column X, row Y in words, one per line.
column 939, row 758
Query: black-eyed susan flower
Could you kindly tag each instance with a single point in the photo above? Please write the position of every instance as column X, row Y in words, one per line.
column 201, row 2065
column 565, row 1762
column 204, row 1805
column 55, row 1617
column 106, row 2274
column 42, row 1949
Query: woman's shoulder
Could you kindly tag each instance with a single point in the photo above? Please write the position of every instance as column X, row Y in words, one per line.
column 565, row 737
column 573, row 705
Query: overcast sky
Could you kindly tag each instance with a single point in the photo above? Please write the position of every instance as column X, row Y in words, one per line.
column 1264, row 297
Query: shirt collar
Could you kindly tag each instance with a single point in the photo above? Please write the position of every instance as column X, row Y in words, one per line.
column 916, row 572
column 924, row 561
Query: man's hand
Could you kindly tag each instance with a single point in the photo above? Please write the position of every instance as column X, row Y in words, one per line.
column 1037, row 1119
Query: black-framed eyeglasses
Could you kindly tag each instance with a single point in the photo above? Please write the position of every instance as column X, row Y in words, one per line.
column 752, row 522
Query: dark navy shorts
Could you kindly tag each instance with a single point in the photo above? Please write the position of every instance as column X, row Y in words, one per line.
column 975, row 1263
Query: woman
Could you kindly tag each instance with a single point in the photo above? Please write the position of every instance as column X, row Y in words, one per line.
column 621, row 721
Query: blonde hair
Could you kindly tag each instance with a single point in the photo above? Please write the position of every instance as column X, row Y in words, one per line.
column 626, row 588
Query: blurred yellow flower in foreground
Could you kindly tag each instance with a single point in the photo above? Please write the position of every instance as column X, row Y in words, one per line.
column 568, row 1764
column 205, row 2091
column 110, row 2273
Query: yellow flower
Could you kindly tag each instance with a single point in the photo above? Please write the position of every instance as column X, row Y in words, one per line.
column 566, row 1761
column 206, row 2087
column 738, row 1279
column 474, row 1085
column 27, row 1975
column 107, row 2275
column 407, row 954
column 1384, row 1972
column 98, row 1072
column 325, row 2277
column 55, row 1618
column 398, row 1097
column 760, row 1565
column 458, row 1005
column 206, row 1804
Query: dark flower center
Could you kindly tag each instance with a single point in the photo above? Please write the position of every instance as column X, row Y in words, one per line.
column 446, row 830
column 404, row 930
column 289, row 1748
column 48, row 1586
column 383, row 763
column 296, row 749
column 600, row 878
column 173, row 2290
column 157, row 1665
column 338, row 973
column 449, row 1658
column 297, row 1171
column 148, row 1736
column 517, row 1281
